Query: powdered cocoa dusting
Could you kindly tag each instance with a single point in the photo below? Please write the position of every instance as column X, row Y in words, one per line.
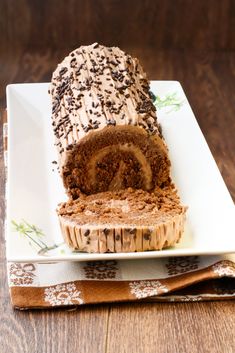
column 125, row 207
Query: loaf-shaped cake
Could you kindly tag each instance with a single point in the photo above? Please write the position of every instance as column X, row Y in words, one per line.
column 105, row 124
column 113, row 159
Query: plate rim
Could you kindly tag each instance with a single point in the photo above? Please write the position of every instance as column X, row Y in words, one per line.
column 118, row 256
column 81, row 257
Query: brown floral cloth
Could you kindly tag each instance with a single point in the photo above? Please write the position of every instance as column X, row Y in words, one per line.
column 49, row 285
column 34, row 285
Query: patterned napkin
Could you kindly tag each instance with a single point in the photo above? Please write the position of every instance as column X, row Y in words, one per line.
column 192, row 278
column 46, row 285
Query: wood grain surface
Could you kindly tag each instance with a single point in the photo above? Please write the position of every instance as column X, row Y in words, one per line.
column 178, row 24
column 186, row 40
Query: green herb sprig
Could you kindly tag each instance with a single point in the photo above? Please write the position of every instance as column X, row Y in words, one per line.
column 34, row 235
column 170, row 100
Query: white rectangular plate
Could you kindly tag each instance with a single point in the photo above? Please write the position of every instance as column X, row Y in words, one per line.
column 34, row 189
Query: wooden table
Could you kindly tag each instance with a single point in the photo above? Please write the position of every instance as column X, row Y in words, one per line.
column 209, row 83
column 186, row 40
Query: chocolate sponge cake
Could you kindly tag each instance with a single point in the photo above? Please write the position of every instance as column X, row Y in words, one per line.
column 113, row 159
column 105, row 124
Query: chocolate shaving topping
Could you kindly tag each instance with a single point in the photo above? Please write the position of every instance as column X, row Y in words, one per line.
column 86, row 233
column 147, row 234
column 63, row 71
column 106, row 231
column 97, row 86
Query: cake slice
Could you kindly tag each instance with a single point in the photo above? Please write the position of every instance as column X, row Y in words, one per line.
column 123, row 221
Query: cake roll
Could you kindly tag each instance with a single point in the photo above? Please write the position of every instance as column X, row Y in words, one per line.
column 112, row 156
column 105, row 125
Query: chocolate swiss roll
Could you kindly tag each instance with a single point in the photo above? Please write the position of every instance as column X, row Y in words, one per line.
column 105, row 124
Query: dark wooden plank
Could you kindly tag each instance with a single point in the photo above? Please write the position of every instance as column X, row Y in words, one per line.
column 54, row 331
column 166, row 328
column 182, row 24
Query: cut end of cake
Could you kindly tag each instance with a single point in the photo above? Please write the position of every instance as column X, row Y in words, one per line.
column 116, row 158
column 123, row 221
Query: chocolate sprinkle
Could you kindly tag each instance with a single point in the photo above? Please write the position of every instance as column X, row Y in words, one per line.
column 106, row 231
column 87, row 232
